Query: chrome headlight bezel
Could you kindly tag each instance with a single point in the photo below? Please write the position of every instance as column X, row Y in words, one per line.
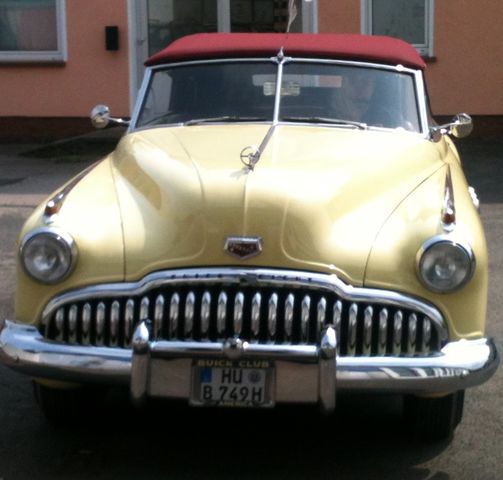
column 461, row 257
column 63, row 247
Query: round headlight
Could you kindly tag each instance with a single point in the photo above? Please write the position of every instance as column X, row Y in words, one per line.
column 444, row 265
column 48, row 255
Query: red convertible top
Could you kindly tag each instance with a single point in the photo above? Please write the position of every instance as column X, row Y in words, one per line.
column 371, row 48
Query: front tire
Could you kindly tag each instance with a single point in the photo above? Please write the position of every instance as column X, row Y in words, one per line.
column 68, row 406
column 434, row 418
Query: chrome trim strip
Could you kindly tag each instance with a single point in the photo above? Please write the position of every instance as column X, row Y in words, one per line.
column 448, row 212
column 54, row 204
column 240, row 276
column 461, row 364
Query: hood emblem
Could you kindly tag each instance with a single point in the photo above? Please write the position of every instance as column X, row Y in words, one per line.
column 243, row 247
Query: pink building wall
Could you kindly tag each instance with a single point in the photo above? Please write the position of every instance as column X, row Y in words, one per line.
column 466, row 74
column 91, row 75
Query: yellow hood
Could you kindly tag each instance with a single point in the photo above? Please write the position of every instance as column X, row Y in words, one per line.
column 317, row 198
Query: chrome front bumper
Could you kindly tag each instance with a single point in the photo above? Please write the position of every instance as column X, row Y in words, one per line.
column 303, row 373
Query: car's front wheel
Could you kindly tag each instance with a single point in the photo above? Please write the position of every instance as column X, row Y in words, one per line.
column 68, row 406
column 434, row 418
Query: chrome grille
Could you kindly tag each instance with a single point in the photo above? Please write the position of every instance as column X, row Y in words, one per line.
column 262, row 308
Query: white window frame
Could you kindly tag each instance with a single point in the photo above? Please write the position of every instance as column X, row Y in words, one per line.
column 426, row 49
column 43, row 56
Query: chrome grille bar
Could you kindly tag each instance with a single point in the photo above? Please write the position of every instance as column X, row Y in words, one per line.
column 304, row 318
column 190, row 303
column 72, row 324
column 321, row 315
column 353, row 313
column 128, row 322
column 255, row 315
column 86, row 324
column 336, row 317
column 259, row 311
column 273, row 315
column 239, row 301
column 205, row 314
column 397, row 332
column 412, row 333
column 289, row 305
column 158, row 316
column 174, row 312
column 383, row 331
column 367, row 330
column 221, row 313
column 114, row 323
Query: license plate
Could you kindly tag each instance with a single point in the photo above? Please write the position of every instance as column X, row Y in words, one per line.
column 246, row 383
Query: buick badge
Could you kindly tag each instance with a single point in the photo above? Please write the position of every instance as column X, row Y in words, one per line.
column 243, row 247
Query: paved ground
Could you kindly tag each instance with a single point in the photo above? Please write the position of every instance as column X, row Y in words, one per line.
column 364, row 440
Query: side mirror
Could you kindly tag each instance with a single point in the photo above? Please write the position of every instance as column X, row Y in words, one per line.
column 100, row 117
column 461, row 126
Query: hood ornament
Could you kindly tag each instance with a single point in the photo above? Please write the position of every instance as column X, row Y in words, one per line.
column 243, row 247
column 250, row 156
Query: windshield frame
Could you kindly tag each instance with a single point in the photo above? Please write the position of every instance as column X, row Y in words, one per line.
column 280, row 61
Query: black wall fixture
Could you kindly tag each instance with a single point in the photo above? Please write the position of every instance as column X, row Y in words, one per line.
column 112, row 38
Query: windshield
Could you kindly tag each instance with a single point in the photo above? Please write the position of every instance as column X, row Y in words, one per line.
column 208, row 91
column 241, row 91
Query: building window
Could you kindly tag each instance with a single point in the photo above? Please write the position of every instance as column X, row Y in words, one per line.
column 172, row 19
column 32, row 31
column 410, row 20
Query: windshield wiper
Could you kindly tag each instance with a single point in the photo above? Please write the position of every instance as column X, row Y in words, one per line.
column 332, row 121
column 224, row 118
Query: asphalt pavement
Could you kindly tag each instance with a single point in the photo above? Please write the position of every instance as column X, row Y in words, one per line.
column 365, row 440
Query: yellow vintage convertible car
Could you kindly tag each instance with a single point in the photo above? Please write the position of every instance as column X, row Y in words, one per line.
column 281, row 222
